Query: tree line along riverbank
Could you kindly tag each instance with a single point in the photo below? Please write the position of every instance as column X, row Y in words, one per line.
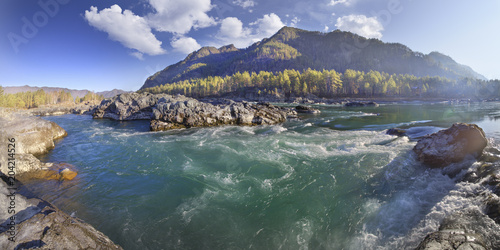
column 331, row 84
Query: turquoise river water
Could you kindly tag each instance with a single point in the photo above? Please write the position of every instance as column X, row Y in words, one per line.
column 329, row 181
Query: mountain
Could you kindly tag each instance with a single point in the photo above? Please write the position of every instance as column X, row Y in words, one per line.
column 75, row 93
column 448, row 63
column 292, row 48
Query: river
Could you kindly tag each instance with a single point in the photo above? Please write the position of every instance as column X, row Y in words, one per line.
column 333, row 180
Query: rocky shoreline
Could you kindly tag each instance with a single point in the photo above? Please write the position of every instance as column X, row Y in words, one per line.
column 471, row 228
column 32, row 222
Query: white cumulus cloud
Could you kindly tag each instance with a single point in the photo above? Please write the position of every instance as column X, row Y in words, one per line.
column 245, row 3
column 345, row 2
column 185, row 45
column 233, row 31
column 127, row 28
column 232, row 27
column 268, row 25
column 180, row 16
column 137, row 55
column 294, row 22
column 368, row 27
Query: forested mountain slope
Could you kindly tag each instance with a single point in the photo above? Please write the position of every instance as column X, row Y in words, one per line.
column 292, row 48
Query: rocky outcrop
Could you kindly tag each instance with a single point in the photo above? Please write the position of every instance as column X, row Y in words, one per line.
column 451, row 145
column 83, row 109
column 31, row 136
column 472, row 228
column 131, row 106
column 488, row 174
column 35, row 223
column 451, row 239
column 468, row 229
column 192, row 113
column 306, row 110
column 171, row 112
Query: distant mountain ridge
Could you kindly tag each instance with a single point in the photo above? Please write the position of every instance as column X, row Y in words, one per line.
column 75, row 93
column 292, row 48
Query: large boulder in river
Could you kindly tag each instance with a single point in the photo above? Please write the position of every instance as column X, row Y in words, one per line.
column 451, row 145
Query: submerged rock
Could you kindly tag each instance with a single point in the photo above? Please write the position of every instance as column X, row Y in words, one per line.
column 51, row 171
column 306, row 109
column 396, row 132
column 451, row 145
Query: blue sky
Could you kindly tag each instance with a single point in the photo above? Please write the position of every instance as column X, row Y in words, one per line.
column 107, row 44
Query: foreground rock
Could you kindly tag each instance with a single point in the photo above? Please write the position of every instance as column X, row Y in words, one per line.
column 172, row 112
column 451, row 145
column 469, row 229
column 472, row 228
column 29, row 136
column 38, row 224
column 30, row 222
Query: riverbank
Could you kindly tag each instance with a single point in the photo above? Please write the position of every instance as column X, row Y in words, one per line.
column 252, row 96
column 29, row 222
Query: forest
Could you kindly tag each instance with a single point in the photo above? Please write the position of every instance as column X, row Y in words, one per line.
column 39, row 98
column 331, row 84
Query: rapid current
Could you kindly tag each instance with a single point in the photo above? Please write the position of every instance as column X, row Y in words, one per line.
column 334, row 180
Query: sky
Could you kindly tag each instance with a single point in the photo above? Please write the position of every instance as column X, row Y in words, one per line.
column 107, row 44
